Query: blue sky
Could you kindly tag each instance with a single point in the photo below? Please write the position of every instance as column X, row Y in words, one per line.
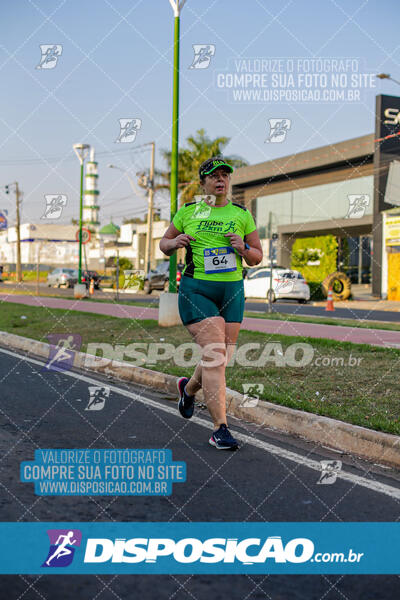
column 117, row 63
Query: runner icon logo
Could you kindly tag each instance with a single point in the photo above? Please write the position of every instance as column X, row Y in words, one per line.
column 357, row 205
column 251, row 393
column 330, row 469
column 54, row 206
column 128, row 130
column 50, row 55
column 278, row 129
column 202, row 56
column 98, row 397
column 203, row 206
column 133, row 279
column 62, row 350
column 63, row 543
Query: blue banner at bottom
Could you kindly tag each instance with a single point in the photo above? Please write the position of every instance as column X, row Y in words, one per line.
column 208, row 548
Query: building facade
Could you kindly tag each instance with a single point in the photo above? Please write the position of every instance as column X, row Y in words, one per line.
column 337, row 189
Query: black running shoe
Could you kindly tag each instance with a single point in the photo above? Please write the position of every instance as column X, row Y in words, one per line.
column 186, row 403
column 223, row 440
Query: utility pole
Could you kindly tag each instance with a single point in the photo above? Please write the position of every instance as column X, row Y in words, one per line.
column 39, row 245
column 270, row 291
column 17, row 199
column 18, row 225
column 149, row 235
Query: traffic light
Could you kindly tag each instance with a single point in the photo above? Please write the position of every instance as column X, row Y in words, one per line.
column 7, row 189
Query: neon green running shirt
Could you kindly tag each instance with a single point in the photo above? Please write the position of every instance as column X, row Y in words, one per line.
column 210, row 256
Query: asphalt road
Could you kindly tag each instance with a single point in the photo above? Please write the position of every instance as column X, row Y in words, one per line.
column 290, row 307
column 46, row 409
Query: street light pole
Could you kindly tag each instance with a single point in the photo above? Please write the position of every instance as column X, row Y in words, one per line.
column 150, row 202
column 387, row 76
column 80, row 226
column 135, row 189
column 81, row 151
column 177, row 7
column 17, row 198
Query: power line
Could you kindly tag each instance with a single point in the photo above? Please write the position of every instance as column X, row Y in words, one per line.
column 69, row 157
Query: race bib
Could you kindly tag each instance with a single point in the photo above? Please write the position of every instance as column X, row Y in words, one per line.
column 219, row 260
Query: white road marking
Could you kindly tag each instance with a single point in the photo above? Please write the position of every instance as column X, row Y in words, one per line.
column 375, row 486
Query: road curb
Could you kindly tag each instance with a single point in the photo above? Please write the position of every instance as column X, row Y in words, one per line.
column 375, row 446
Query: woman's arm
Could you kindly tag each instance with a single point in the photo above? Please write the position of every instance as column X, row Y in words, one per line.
column 173, row 239
column 253, row 256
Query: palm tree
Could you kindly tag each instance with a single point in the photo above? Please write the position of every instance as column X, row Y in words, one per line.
column 199, row 148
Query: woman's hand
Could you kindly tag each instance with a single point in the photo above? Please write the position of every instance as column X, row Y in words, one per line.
column 183, row 240
column 174, row 239
column 236, row 242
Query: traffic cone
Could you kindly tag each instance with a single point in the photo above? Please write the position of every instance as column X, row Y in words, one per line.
column 91, row 287
column 329, row 304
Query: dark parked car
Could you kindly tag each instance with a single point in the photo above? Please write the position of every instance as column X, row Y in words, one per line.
column 88, row 275
column 158, row 278
column 352, row 272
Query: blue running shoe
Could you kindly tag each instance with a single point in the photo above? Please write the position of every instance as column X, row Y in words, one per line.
column 222, row 439
column 186, row 403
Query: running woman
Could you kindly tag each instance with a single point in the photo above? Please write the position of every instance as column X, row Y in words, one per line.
column 217, row 235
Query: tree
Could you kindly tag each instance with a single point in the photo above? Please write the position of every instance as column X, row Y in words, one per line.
column 199, row 148
column 137, row 220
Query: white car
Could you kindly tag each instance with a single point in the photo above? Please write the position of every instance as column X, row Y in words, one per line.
column 285, row 284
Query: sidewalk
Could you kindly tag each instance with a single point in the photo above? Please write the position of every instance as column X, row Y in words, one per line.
column 364, row 300
column 374, row 337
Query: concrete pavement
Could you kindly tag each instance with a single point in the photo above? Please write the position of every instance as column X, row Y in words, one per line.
column 269, row 479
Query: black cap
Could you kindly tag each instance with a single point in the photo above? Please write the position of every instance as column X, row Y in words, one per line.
column 209, row 165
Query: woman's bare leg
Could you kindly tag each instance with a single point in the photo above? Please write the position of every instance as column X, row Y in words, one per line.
column 214, row 336
column 209, row 334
